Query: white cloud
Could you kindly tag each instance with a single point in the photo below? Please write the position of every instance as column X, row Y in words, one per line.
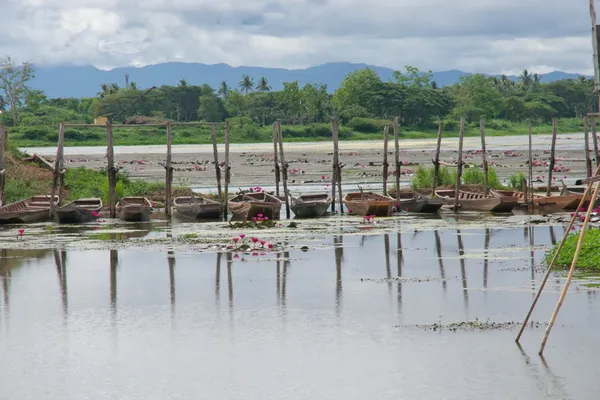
column 471, row 35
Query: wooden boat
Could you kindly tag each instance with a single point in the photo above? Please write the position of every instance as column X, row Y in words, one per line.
column 134, row 209
column 415, row 202
column 78, row 211
column 468, row 201
column 33, row 209
column 198, row 207
column 310, row 205
column 369, row 203
column 564, row 202
column 248, row 205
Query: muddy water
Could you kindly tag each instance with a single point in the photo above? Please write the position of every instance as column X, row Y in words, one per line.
column 339, row 321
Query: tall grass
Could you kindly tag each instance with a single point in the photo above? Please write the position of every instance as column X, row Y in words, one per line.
column 423, row 177
column 476, row 176
column 516, row 180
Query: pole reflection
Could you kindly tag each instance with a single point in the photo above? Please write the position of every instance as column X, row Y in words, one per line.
column 399, row 262
column 486, row 258
column 338, row 245
column 463, row 271
column 60, row 260
column 438, row 246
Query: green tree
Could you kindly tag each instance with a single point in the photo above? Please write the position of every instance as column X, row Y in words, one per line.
column 263, row 85
column 224, row 90
column 356, row 89
column 13, row 84
column 246, row 84
column 475, row 97
column 290, row 100
column 209, row 109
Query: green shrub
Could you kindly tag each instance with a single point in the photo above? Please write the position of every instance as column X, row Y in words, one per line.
column 34, row 133
column 516, row 180
column 367, row 125
column 476, row 176
column 589, row 257
column 423, row 177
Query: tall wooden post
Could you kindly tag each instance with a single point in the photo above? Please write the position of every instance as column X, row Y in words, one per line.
column 483, row 156
column 595, row 55
column 284, row 170
column 275, row 160
column 57, row 166
column 552, row 155
column 459, row 166
column 217, row 166
column 112, row 171
column 227, row 170
column 436, row 161
column 595, row 141
column 586, row 143
column 337, row 169
column 397, row 159
column 169, row 172
column 2, row 168
column 385, row 159
column 530, row 178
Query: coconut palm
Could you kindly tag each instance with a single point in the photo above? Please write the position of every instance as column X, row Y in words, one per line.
column 183, row 83
column 581, row 79
column 263, row 85
column 525, row 79
column 246, row 84
column 104, row 91
column 223, row 89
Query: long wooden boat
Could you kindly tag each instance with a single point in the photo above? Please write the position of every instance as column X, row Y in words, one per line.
column 134, row 209
column 369, row 203
column 248, row 205
column 564, row 202
column 78, row 211
column 198, row 207
column 415, row 202
column 310, row 205
column 468, row 201
column 33, row 209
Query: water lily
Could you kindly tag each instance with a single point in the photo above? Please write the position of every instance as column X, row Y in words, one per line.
column 266, row 218
column 270, row 246
column 236, row 255
column 95, row 214
column 235, row 239
column 263, row 242
column 242, row 235
column 254, row 239
column 21, row 232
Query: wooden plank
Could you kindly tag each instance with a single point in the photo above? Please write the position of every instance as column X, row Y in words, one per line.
column 483, row 156
column 217, row 166
column 436, row 161
column 169, row 173
column 397, row 159
column 284, row 170
column 385, row 159
column 552, row 156
column 111, row 171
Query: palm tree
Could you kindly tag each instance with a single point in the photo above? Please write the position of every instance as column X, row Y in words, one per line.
column 223, row 90
column 434, row 85
column 263, row 85
column 183, row 83
column 113, row 88
column 581, row 79
column 133, row 86
column 104, row 92
column 525, row 79
column 246, row 84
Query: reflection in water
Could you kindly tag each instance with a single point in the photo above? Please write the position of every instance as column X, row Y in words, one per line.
column 60, row 260
column 230, row 283
column 486, row 256
column 399, row 261
column 218, row 282
column 463, row 271
column 556, row 389
column 552, row 235
column 286, row 265
column 114, row 265
column 171, row 261
column 532, row 258
column 388, row 268
column 338, row 243
column 438, row 246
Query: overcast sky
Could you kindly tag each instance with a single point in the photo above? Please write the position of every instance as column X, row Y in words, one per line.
column 493, row 36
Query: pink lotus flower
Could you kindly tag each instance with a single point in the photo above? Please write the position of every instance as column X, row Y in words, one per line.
column 254, row 219
column 323, row 177
column 254, row 254
column 270, row 246
column 254, row 239
column 21, row 232
column 259, row 215
column 350, row 211
column 263, row 242
column 236, row 255
column 243, row 235
column 266, row 218
column 235, row 239
column 95, row 214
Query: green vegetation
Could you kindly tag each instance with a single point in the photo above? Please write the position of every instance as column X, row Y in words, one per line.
column 473, row 175
column 589, row 257
column 476, row 176
column 363, row 103
column 515, row 180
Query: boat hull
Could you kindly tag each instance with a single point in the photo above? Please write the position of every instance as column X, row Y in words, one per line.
column 377, row 208
column 74, row 215
column 135, row 213
column 27, row 217
column 310, row 210
column 418, row 205
column 251, row 209
column 204, row 212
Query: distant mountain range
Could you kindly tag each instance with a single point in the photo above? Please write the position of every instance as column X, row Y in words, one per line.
column 85, row 81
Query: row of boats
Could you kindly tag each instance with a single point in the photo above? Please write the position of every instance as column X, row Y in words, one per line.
column 247, row 206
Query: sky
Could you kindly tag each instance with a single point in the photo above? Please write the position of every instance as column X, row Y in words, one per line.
column 490, row 36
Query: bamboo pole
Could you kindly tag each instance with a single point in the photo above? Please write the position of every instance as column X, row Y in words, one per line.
column 336, row 165
column 436, row 161
column 595, row 141
column 57, row 167
column 483, row 156
column 530, row 178
column 563, row 293
column 217, row 166
column 227, row 170
column 555, row 257
column 112, row 171
column 2, row 168
column 459, row 165
column 385, row 159
column 586, row 143
column 552, row 156
column 333, row 165
column 595, row 48
column 284, row 170
column 397, row 159
column 169, row 172
column 275, row 160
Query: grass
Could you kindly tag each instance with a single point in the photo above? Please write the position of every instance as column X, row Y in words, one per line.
column 261, row 134
column 515, row 180
column 589, row 257
column 423, row 177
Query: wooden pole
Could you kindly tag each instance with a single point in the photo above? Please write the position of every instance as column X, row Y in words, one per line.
column 552, row 156
column 336, row 163
column 459, row 166
column 397, row 159
column 57, row 167
column 227, row 170
column 530, row 178
column 595, row 48
column 2, row 168
column 217, row 166
column 586, row 143
column 275, row 160
column 334, row 168
column 436, row 162
column 595, row 141
column 169, row 172
column 483, row 156
column 385, row 159
column 563, row 293
column 284, row 169
column 112, row 171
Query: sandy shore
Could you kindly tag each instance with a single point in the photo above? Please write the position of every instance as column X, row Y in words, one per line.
column 252, row 164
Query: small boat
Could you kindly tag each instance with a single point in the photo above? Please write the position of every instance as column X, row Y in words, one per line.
column 246, row 206
column 134, row 209
column 197, row 207
column 310, row 205
column 33, row 209
column 415, row 202
column 78, row 211
column 468, row 201
column 369, row 203
column 564, row 202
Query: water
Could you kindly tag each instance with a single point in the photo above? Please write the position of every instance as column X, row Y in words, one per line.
column 330, row 323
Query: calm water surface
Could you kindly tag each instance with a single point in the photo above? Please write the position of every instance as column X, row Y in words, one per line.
column 331, row 323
